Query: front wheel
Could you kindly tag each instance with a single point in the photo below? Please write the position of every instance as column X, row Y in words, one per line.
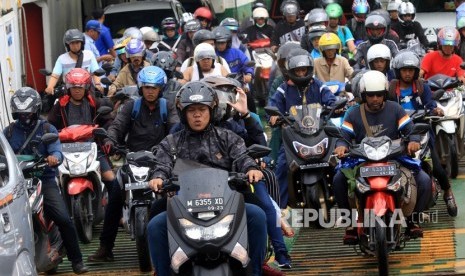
column 315, row 199
column 82, row 213
column 381, row 249
column 140, row 227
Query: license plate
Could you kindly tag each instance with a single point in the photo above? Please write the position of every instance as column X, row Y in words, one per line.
column 388, row 170
column 136, row 186
column 76, row 147
column 205, row 204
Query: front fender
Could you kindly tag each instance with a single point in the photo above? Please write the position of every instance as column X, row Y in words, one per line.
column 380, row 202
column 448, row 126
column 78, row 185
column 311, row 178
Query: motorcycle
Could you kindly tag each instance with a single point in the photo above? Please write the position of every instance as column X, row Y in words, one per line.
column 263, row 57
column 207, row 226
column 309, row 156
column 449, row 129
column 80, row 177
column 49, row 247
column 382, row 189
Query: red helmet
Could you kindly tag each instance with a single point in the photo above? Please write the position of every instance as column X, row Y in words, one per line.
column 78, row 77
column 203, row 12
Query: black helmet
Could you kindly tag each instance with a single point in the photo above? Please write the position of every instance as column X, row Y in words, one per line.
column 299, row 58
column 26, row 100
column 169, row 22
column 196, row 92
column 226, row 91
column 375, row 21
column 202, row 36
column 222, row 34
column 258, row 4
column 165, row 60
column 73, row 35
column 406, row 59
column 282, row 54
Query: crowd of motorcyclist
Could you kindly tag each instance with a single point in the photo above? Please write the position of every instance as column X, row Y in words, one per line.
column 211, row 115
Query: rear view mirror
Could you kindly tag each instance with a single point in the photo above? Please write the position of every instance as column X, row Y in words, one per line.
column 419, row 129
column 333, row 131
column 100, row 132
column 99, row 72
column 258, row 151
column 104, row 110
column 45, row 72
column 49, row 138
column 438, row 94
column 106, row 81
column 273, row 111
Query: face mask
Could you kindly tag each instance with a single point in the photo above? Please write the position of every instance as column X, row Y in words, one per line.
column 258, row 25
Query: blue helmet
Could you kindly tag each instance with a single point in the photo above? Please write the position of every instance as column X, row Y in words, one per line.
column 135, row 48
column 151, row 76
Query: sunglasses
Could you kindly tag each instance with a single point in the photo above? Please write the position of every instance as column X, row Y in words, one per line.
column 378, row 94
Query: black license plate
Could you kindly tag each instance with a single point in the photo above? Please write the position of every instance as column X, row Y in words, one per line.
column 76, row 147
column 136, row 186
column 205, row 204
column 388, row 170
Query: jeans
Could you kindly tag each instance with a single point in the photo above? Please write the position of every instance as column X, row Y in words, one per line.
column 281, row 175
column 274, row 229
column 157, row 236
column 56, row 210
column 423, row 181
column 113, row 213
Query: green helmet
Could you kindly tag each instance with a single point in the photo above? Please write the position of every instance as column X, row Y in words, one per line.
column 460, row 22
column 334, row 10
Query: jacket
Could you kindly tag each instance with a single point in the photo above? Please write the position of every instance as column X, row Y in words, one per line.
column 185, row 49
column 143, row 132
column 288, row 95
column 215, row 147
column 236, row 60
column 18, row 134
column 58, row 116
column 126, row 76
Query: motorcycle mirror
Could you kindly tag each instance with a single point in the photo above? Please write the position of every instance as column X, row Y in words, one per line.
column 348, row 87
column 333, row 131
column 100, row 132
column 107, row 67
column 2, row 166
column 232, row 75
column 273, row 111
column 339, row 104
column 178, row 75
column 104, row 110
column 45, row 72
column 106, row 81
column 438, row 94
column 352, row 62
column 49, row 138
column 420, row 129
column 258, row 151
column 462, row 65
column 99, row 72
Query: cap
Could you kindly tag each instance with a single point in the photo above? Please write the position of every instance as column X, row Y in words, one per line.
column 93, row 25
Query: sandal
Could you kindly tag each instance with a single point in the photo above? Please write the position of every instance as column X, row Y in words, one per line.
column 287, row 229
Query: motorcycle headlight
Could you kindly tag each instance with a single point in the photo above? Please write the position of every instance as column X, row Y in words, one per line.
column 90, row 159
column 139, row 173
column 378, row 153
column 215, row 231
column 76, row 168
column 305, row 151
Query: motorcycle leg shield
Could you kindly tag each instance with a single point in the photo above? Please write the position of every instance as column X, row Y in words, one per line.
column 78, row 185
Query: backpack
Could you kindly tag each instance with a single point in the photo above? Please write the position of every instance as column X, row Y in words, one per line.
column 163, row 109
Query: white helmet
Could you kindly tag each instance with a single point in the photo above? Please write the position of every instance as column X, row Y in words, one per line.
column 260, row 13
column 393, row 5
column 373, row 82
column 148, row 33
column 133, row 32
column 378, row 51
column 204, row 50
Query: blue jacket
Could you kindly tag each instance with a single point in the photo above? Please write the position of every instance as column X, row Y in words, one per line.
column 288, row 95
column 18, row 135
column 236, row 60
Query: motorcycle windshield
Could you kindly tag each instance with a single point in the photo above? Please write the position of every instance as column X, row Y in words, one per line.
column 307, row 117
column 203, row 188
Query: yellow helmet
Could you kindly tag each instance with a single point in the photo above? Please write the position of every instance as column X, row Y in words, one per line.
column 328, row 41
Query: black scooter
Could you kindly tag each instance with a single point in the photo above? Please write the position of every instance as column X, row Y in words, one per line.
column 309, row 156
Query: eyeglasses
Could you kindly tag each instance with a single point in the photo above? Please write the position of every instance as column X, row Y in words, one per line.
column 377, row 94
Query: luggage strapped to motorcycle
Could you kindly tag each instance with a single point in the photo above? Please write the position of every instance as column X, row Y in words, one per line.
column 163, row 109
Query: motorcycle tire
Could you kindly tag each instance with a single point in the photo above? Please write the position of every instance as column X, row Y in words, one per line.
column 140, row 226
column 315, row 199
column 81, row 214
column 381, row 248
column 452, row 165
